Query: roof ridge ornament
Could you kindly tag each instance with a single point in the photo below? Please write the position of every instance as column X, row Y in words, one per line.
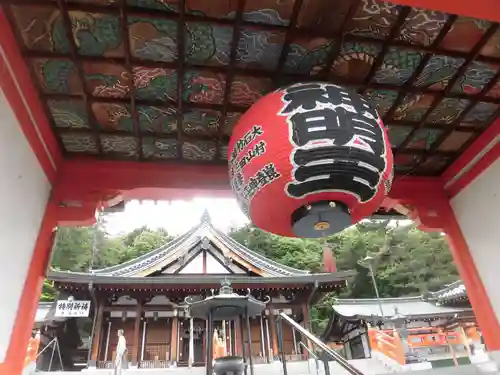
column 226, row 287
column 205, row 217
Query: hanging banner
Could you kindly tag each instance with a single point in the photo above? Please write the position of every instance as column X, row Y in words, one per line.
column 72, row 309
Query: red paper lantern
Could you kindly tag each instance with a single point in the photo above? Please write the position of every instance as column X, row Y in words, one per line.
column 309, row 160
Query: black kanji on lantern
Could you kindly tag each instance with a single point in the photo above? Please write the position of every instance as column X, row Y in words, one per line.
column 247, row 190
column 263, row 177
column 257, row 150
column 244, row 141
column 338, row 138
column 304, row 97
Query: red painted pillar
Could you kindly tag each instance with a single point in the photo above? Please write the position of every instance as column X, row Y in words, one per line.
column 96, row 340
column 483, row 310
column 427, row 202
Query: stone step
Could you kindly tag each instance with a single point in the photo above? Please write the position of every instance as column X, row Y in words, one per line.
column 370, row 366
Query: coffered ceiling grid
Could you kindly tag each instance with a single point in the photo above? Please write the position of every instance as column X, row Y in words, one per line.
column 165, row 80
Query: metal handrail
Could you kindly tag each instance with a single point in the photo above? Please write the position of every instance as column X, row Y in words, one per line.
column 308, row 350
column 325, row 348
column 312, row 354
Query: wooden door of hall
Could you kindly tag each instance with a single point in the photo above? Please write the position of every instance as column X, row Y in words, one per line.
column 199, row 337
column 156, row 352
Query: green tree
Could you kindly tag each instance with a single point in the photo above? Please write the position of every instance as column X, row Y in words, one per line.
column 48, row 292
column 408, row 261
column 147, row 241
column 110, row 252
column 73, row 249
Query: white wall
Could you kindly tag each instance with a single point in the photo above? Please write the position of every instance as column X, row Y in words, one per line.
column 194, row 266
column 477, row 209
column 24, row 190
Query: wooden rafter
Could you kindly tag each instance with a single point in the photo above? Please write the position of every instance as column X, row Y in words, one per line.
column 463, row 68
column 410, row 83
column 181, row 28
column 393, row 34
column 335, row 52
column 81, row 74
column 289, row 34
column 131, row 85
column 230, row 72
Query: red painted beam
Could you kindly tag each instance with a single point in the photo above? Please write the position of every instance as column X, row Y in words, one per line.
column 91, row 179
column 481, row 9
column 477, row 158
column 416, row 188
column 482, row 165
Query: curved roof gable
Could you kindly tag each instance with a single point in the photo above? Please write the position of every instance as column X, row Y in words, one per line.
column 158, row 259
column 134, row 266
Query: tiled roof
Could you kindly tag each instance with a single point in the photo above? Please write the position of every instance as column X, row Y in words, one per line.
column 146, row 260
column 453, row 291
column 349, row 314
column 411, row 307
column 430, row 304
column 193, row 237
column 236, row 280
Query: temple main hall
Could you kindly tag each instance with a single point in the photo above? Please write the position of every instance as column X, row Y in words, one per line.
column 146, row 298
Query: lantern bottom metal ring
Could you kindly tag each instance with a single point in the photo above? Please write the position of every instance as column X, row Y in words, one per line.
column 320, row 219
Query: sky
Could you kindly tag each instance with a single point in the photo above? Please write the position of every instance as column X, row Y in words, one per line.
column 176, row 217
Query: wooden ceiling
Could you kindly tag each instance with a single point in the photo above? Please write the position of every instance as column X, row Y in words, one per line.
column 108, row 71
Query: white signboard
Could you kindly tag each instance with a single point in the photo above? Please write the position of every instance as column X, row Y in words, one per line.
column 72, row 309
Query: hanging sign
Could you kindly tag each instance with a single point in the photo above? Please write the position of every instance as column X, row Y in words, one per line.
column 72, row 309
column 309, row 160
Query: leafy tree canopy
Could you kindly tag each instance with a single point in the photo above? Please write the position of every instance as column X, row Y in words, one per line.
column 75, row 250
column 406, row 262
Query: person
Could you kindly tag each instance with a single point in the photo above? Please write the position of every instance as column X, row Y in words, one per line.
column 31, row 356
column 219, row 348
column 121, row 353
